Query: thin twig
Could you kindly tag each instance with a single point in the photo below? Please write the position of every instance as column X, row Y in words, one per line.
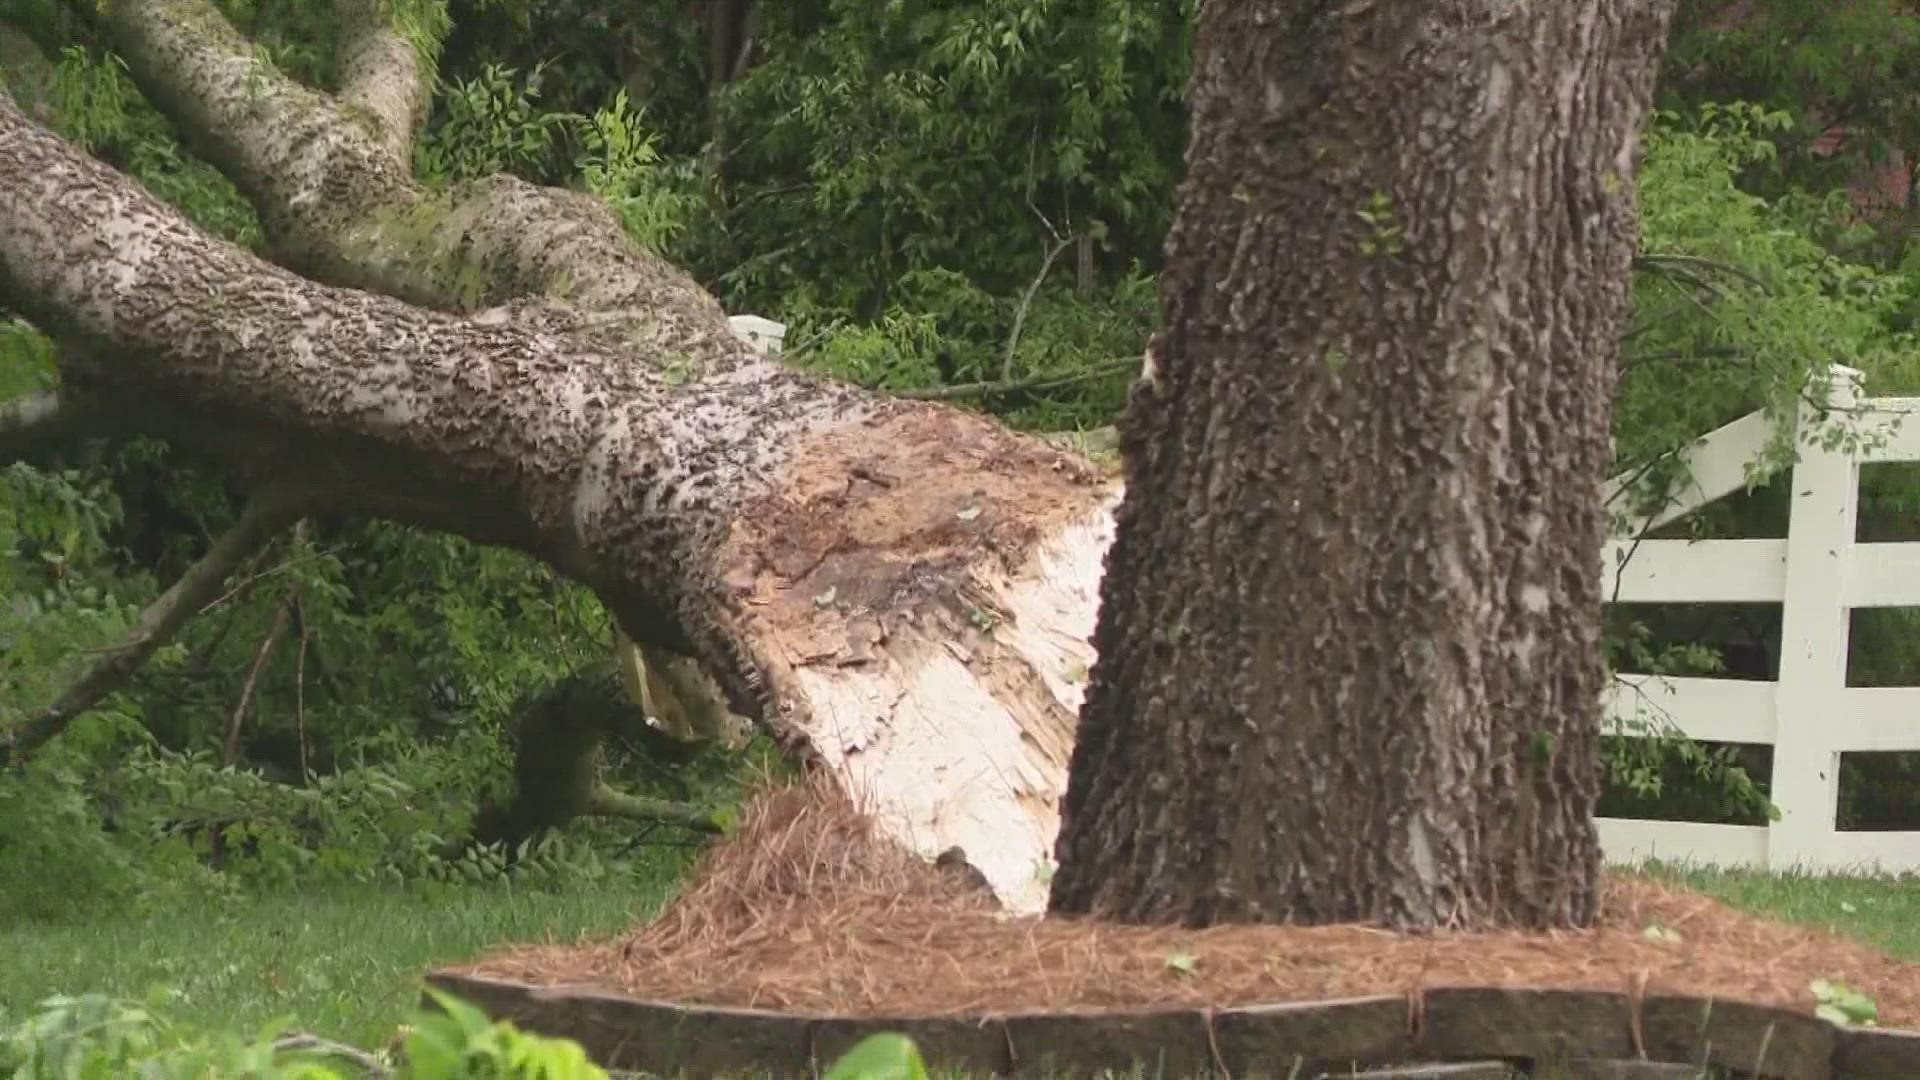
column 1031, row 382
column 247, row 582
column 284, row 611
column 1655, row 260
column 369, row 1063
column 1060, row 241
column 230, row 749
column 1682, row 276
column 1709, row 352
column 1026, row 301
column 300, row 685
column 607, row 801
column 1651, row 323
column 200, row 663
column 1639, row 473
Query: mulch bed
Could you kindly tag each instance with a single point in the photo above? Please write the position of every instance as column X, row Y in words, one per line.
column 804, row 909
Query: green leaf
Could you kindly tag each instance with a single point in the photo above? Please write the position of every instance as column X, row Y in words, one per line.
column 885, row 1056
column 1832, row 1014
column 1841, row 1004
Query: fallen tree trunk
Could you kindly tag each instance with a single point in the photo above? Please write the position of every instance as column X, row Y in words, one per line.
column 902, row 591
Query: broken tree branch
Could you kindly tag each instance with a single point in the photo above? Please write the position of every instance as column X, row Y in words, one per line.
column 587, row 464
column 266, row 514
column 338, row 205
column 280, row 142
column 607, row 802
column 382, row 72
column 724, row 512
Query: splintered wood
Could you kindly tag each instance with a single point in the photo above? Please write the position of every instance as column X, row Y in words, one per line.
column 924, row 584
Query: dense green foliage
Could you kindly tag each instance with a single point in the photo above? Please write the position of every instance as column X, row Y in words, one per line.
column 1796, row 275
column 932, row 196
column 94, row 1037
column 390, row 662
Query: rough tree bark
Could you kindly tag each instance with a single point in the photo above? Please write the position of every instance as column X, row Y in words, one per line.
column 902, row 590
column 1349, row 664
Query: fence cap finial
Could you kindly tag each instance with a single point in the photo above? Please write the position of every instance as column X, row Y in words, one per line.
column 759, row 332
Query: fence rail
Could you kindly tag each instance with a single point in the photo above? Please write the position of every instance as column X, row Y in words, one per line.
column 1818, row 574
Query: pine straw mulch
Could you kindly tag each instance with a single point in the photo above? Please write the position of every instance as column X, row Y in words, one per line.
column 804, row 909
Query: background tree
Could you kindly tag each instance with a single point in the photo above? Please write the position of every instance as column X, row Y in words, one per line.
column 1790, row 126
column 1349, row 635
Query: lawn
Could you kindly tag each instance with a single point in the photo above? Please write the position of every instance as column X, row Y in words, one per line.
column 343, row 963
column 346, row 963
column 1883, row 912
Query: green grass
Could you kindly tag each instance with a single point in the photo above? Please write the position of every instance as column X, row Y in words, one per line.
column 343, row 963
column 346, row 963
column 1883, row 912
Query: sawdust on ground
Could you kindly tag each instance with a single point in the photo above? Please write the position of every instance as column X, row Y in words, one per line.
column 805, row 909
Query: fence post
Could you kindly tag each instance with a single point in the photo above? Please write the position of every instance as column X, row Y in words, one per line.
column 762, row 333
column 1813, row 634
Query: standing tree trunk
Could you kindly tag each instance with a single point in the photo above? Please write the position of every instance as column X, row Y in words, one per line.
column 1349, row 662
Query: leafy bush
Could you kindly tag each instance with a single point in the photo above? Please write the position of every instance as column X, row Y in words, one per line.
column 376, row 727
column 1740, row 301
column 79, row 1038
column 93, row 1036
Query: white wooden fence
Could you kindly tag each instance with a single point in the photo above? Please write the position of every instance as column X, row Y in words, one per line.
column 1818, row 574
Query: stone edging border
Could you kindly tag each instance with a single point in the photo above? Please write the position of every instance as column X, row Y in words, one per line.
column 1592, row 1034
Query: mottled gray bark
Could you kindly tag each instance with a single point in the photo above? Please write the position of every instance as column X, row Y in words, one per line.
column 333, row 185
column 519, row 427
column 1349, row 663
column 381, row 71
column 25, row 71
column 330, row 177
